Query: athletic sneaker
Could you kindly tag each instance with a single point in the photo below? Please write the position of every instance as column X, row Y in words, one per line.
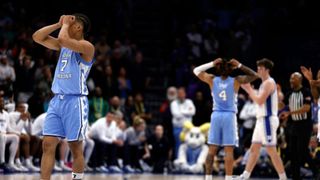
column 4, row 168
column 238, row 177
column 88, row 169
column 115, row 169
column 65, row 167
column 15, row 168
column 56, row 167
column 31, row 167
column 102, row 169
column 128, row 169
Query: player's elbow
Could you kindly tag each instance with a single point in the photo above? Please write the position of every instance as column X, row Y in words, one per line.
column 196, row 71
column 35, row 37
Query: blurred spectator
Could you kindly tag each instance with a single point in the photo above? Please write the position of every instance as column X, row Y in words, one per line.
column 115, row 107
column 139, row 76
column 195, row 41
column 124, row 83
column 20, row 121
column 248, row 116
column 25, row 79
column 98, row 106
column 314, row 149
column 203, row 110
column 182, row 109
column 104, row 134
column 166, row 115
column 160, row 150
column 102, row 48
column 110, row 84
column 7, row 74
column 129, row 109
column 7, row 138
column 140, row 109
column 211, row 45
column 135, row 146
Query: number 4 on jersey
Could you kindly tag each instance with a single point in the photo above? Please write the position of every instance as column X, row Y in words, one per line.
column 223, row 95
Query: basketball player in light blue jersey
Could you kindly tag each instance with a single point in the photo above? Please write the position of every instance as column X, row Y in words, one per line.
column 223, row 128
column 67, row 116
column 265, row 130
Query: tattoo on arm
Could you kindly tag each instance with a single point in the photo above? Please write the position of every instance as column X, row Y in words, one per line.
column 250, row 76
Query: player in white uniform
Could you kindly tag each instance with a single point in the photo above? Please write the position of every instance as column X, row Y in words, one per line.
column 267, row 120
column 315, row 90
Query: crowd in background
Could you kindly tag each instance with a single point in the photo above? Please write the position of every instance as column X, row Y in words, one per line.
column 132, row 141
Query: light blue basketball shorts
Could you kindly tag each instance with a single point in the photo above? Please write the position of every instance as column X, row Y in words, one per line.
column 67, row 117
column 223, row 129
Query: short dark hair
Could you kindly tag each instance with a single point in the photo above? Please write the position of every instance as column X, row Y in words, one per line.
column 267, row 63
column 85, row 21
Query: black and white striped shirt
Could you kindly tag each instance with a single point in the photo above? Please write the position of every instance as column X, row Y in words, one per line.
column 295, row 100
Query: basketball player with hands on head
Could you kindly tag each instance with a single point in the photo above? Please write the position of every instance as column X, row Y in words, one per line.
column 223, row 128
column 67, row 115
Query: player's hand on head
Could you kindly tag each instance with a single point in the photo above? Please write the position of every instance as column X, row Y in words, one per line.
column 306, row 72
column 217, row 61
column 68, row 19
column 234, row 63
column 61, row 20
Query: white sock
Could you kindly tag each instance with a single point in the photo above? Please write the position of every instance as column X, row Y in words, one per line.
column 2, row 147
column 208, row 177
column 283, row 176
column 228, row 178
column 77, row 175
column 246, row 174
column 61, row 162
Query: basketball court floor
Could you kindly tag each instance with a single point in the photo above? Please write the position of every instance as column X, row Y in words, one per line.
column 67, row 176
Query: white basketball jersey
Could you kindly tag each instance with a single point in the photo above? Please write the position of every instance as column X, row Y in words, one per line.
column 270, row 107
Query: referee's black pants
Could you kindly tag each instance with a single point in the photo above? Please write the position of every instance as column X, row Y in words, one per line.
column 298, row 143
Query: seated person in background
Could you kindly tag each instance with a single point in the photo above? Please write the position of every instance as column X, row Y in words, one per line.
column 20, row 122
column 159, row 150
column 104, row 134
column 135, row 146
column 7, row 138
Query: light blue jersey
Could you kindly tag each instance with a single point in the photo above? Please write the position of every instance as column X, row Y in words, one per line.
column 67, row 115
column 224, row 97
column 223, row 124
column 71, row 74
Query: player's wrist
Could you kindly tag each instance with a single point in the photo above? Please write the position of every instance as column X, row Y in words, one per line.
column 239, row 65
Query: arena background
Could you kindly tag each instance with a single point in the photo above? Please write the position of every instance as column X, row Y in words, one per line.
column 285, row 31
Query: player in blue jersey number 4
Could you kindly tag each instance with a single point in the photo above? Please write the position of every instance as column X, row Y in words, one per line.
column 68, row 110
column 224, row 89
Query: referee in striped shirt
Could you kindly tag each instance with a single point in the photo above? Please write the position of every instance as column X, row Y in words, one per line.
column 299, row 125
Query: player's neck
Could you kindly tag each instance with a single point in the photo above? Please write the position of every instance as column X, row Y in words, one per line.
column 224, row 77
column 267, row 76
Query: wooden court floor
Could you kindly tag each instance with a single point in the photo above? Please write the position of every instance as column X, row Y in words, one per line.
column 110, row 177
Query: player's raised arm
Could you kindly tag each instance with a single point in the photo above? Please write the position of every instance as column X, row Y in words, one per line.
column 314, row 84
column 77, row 44
column 260, row 98
column 250, row 75
column 42, row 36
column 201, row 73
